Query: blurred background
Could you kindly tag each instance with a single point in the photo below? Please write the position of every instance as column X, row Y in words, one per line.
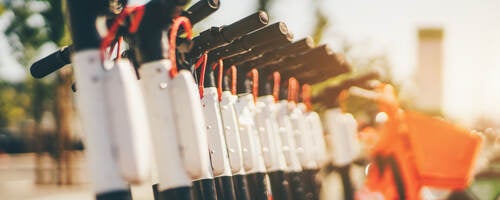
column 442, row 56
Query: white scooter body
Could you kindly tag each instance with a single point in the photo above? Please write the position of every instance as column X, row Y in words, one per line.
column 90, row 74
column 342, row 129
column 287, row 138
column 215, row 133
column 191, row 125
column 171, row 168
column 302, row 137
column 314, row 122
column 267, row 126
column 129, row 126
column 253, row 161
column 231, row 131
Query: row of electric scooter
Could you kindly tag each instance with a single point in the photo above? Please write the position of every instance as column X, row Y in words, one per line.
column 226, row 114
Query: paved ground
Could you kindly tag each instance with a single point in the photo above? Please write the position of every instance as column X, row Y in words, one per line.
column 17, row 182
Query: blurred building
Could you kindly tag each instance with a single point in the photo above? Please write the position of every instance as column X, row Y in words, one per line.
column 429, row 72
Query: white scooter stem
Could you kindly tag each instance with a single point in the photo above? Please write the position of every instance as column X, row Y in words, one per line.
column 246, row 124
column 253, row 160
column 287, row 137
column 342, row 129
column 344, row 145
column 217, row 144
column 312, row 186
column 302, row 137
column 172, row 172
column 190, row 126
column 89, row 74
column 313, row 123
column 193, row 134
column 318, row 137
column 232, row 134
column 129, row 126
column 266, row 124
column 268, row 128
column 313, row 133
column 294, row 173
column 303, row 140
column 215, row 133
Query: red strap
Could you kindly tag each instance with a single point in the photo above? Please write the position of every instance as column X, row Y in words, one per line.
column 306, row 96
column 138, row 12
column 296, row 91
column 202, row 62
column 136, row 20
column 179, row 21
column 118, row 48
column 220, row 66
column 233, row 72
column 254, row 74
column 292, row 89
column 276, row 85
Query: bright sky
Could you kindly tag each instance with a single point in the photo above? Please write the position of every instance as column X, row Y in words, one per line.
column 471, row 46
column 472, row 39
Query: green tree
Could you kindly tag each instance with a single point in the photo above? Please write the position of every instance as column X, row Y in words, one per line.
column 320, row 26
column 26, row 37
column 37, row 22
column 13, row 101
column 2, row 8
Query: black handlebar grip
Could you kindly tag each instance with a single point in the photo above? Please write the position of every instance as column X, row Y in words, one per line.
column 312, row 56
column 318, row 72
column 292, row 63
column 296, row 48
column 325, row 67
column 218, row 36
column 245, row 25
column 272, row 32
column 232, row 49
column 51, row 63
column 327, row 64
column 275, row 56
column 277, row 31
column 300, row 45
column 201, row 9
column 256, row 52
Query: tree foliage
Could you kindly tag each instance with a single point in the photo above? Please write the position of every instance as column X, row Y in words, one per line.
column 320, row 26
column 13, row 103
column 34, row 23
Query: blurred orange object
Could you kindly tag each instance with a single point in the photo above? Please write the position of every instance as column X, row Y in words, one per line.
column 369, row 135
column 414, row 150
column 444, row 154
